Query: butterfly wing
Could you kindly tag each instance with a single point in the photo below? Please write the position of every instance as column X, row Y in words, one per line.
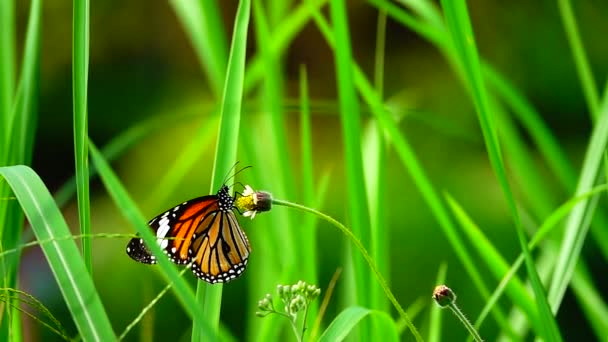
column 203, row 231
column 220, row 249
column 173, row 229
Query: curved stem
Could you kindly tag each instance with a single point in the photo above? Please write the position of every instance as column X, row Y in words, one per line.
column 366, row 256
column 465, row 321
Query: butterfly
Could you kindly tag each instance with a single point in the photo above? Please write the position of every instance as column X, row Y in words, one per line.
column 202, row 233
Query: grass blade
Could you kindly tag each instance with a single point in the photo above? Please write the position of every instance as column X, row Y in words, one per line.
column 495, row 262
column 576, row 225
column 411, row 163
column 210, row 296
column 435, row 319
column 64, row 259
column 583, row 68
column 202, row 21
column 457, row 18
column 309, row 230
column 281, row 39
column 375, row 161
column 131, row 212
column 343, row 324
column 7, row 66
column 80, row 81
column 351, row 135
column 19, row 123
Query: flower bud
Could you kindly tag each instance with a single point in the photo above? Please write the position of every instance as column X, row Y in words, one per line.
column 443, row 296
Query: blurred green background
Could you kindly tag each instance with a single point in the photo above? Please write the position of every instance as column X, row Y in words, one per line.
column 142, row 65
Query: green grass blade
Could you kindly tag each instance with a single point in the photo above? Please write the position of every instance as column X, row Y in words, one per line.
column 64, row 259
column 427, row 10
column 343, row 324
column 190, row 154
column 411, row 163
column 435, row 319
column 531, row 119
column 202, row 21
column 576, row 225
column 550, row 223
column 349, row 318
column 495, row 262
column 121, row 143
column 457, row 18
column 282, row 37
column 80, row 81
column 210, row 296
column 24, row 112
column 308, row 187
column 7, row 67
column 20, row 124
column 309, row 232
column 129, row 209
column 430, row 31
column 351, row 135
column 591, row 301
column 276, row 154
column 375, row 161
column 583, row 68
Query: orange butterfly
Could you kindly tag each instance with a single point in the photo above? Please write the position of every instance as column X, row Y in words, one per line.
column 202, row 232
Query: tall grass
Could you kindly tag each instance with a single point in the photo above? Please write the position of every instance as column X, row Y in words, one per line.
column 250, row 120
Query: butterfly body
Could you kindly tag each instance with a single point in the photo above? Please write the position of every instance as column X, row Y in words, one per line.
column 203, row 233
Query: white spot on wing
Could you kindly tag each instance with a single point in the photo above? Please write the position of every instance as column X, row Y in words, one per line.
column 163, row 227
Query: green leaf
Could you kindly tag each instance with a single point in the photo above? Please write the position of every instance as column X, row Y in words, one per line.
column 62, row 255
column 80, row 80
column 343, row 324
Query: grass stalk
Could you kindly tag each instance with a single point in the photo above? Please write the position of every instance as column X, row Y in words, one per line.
column 463, row 38
column 351, row 134
column 210, row 296
column 80, row 76
column 581, row 62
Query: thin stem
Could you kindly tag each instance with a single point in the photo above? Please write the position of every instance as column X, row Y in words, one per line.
column 364, row 253
column 148, row 307
column 295, row 330
column 324, row 304
column 465, row 321
column 305, row 317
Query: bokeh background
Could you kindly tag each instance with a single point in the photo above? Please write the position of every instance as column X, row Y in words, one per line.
column 142, row 65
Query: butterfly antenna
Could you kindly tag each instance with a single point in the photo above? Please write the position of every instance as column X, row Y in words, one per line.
column 236, row 173
column 228, row 177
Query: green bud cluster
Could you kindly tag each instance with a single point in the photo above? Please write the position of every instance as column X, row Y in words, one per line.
column 296, row 298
